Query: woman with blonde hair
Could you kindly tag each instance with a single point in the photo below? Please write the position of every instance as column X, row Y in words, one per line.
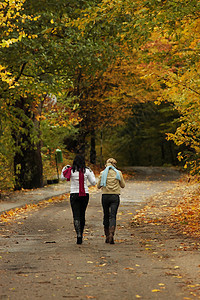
column 110, row 181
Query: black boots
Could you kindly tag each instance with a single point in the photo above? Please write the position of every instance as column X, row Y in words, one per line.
column 79, row 232
column 106, row 231
column 111, row 234
column 79, row 240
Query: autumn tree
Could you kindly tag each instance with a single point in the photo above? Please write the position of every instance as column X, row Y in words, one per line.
column 173, row 56
column 166, row 35
column 20, row 104
column 102, row 100
column 37, row 63
column 77, row 51
column 11, row 33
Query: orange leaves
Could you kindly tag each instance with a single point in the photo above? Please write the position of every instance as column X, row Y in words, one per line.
column 186, row 216
column 16, row 213
column 167, row 209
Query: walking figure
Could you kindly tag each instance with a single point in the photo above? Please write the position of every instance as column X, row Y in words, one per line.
column 79, row 195
column 110, row 181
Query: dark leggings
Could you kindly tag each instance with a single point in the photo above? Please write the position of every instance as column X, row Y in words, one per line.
column 79, row 205
column 110, row 203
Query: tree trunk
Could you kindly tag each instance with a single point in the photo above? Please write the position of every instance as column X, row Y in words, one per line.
column 27, row 160
column 81, row 142
column 28, row 168
column 101, row 149
column 92, row 149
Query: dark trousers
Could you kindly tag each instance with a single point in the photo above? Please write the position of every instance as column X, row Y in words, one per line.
column 110, row 203
column 79, row 205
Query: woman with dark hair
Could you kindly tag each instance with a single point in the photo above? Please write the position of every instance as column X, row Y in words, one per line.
column 110, row 181
column 79, row 195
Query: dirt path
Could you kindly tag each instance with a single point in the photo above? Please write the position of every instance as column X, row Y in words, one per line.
column 39, row 257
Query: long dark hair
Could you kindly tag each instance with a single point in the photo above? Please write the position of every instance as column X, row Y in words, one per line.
column 78, row 163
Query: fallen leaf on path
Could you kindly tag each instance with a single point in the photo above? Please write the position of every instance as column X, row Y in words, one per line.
column 16, row 213
column 87, row 285
column 120, row 241
column 102, row 265
column 193, row 285
column 155, row 290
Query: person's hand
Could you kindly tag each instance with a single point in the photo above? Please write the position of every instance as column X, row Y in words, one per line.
column 66, row 167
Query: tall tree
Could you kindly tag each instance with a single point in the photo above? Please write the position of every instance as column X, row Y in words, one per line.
column 173, row 54
column 37, row 64
column 11, row 32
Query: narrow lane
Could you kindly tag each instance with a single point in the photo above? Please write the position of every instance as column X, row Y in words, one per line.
column 39, row 257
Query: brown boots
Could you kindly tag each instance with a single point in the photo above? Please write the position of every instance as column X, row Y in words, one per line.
column 109, row 233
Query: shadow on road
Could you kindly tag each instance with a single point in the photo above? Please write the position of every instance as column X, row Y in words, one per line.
column 153, row 173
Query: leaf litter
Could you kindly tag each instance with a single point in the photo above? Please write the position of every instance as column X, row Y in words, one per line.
column 16, row 213
column 178, row 208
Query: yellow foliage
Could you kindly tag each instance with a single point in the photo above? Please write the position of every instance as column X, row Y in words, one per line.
column 10, row 16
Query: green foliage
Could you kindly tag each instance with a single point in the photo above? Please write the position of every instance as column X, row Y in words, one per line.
column 142, row 140
column 6, row 157
column 76, row 51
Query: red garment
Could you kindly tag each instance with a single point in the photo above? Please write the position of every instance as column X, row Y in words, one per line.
column 81, row 184
column 67, row 175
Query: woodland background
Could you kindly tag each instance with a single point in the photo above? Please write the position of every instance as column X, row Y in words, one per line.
column 101, row 78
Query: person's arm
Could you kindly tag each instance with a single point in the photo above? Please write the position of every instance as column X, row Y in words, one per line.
column 122, row 182
column 63, row 169
column 99, row 182
column 91, row 177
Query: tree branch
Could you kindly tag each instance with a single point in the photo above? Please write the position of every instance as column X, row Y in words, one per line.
column 21, row 71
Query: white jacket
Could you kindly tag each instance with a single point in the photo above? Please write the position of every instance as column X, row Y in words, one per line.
column 88, row 176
